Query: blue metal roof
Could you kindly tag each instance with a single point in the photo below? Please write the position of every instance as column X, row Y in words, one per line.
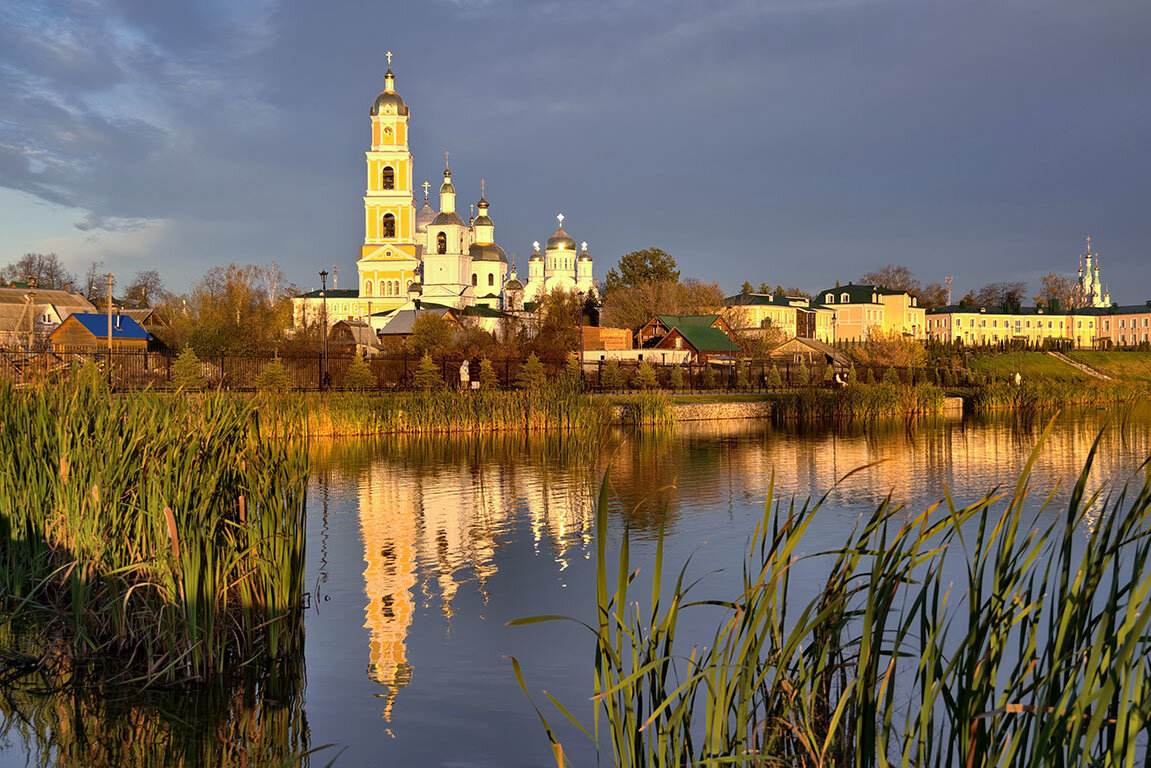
column 123, row 326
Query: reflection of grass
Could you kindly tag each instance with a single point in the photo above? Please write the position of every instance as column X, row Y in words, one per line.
column 158, row 534
column 1030, row 365
column 1037, row 656
column 1133, row 366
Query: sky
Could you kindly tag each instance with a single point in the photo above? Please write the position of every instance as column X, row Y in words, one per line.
column 793, row 142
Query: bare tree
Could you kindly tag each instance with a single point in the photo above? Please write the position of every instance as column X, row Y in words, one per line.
column 1063, row 289
column 1010, row 294
column 146, row 289
column 93, row 278
column 934, row 295
column 272, row 277
column 45, row 268
column 894, row 276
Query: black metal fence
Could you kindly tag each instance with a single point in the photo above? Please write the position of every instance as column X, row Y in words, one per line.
column 139, row 370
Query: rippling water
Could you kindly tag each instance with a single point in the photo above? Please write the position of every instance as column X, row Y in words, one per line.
column 420, row 551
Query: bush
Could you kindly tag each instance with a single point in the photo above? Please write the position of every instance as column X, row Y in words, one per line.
column 359, row 376
column 611, row 377
column 274, row 378
column 187, row 371
column 677, row 377
column 868, row 375
column 531, row 375
column 802, row 375
column 889, row 376
column 488, row 379
column 572, row 373
column 828, row 374
column 645, row 377
column 429, row 377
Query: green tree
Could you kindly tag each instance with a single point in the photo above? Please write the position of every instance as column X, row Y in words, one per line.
column 650, row 265
column 746, row 288
column 571, row 375
column 868, row 375
column 359, row 375
column 889, row 376
column 708, row 377
column 764, row 288
column 645, row 377
column 611, row 376
column 187, row 371
column 274, row 377
column 802, row 376
column 531, row 375
column 431, row 334
column 828, row 374
column 488, row 379
column 677, row 377
column 779, row 291
column 774, row 379
column 428, row 377
column 742, row 376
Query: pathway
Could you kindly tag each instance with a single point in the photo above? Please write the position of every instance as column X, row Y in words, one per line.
column 1081, row 366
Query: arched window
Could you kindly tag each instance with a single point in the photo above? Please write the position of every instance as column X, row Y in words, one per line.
column 474, row 279
column 389, row 225
column 395, row 287
column 491, row 278
column 441, row 243
column 389, row 178
column 368, row 288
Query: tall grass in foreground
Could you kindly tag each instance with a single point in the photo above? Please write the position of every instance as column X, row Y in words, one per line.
column 160, row 536
column 1039, row 656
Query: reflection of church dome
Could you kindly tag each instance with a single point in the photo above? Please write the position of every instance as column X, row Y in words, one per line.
column 424, row 216
column 561, row 239
column 487, row 252
column 442, row 219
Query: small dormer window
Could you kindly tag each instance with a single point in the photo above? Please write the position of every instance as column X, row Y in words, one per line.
column 829, row 299
column 845, row 298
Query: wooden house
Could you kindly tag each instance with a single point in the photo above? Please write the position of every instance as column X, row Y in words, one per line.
column 85, row 332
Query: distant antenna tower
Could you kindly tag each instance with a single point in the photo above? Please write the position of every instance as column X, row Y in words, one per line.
column 948, row 281
column 335, row 277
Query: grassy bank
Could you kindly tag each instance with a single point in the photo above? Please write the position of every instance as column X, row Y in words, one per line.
column 1030, row 365
column 1036, row 653
column 161, row 538
column 1036, row 396
column 1126, row 365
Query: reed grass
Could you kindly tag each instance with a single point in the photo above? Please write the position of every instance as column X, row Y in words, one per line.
column 554, row 407
column 1039, row 655
column 160, row 537
column 859, row 401
column 1038, row 396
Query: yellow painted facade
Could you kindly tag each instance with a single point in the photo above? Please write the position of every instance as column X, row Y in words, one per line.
column 863, row 310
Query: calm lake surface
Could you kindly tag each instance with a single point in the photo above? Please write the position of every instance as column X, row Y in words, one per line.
column 420, row 551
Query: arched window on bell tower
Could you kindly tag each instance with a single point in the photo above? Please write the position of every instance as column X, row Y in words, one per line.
column 441, row 243
column 389, row 225
column 388, row 178
column 474, row 283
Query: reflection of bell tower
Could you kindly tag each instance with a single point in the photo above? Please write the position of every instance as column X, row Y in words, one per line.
column 390, row 531
column 389, row 258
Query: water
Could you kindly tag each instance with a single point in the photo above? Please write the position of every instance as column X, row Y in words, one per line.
column 420, row 551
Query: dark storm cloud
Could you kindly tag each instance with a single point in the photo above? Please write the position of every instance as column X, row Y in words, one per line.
column 790, row 141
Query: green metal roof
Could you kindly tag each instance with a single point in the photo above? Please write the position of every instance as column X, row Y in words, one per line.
column 856, row 294
column 691, row 321
column 707, row 339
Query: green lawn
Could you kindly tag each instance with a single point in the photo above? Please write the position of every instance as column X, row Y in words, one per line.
column 1030, row 365
column 1131, row 366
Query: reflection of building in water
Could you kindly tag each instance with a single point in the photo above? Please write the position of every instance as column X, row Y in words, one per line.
column 432, row 526
column 389, row 534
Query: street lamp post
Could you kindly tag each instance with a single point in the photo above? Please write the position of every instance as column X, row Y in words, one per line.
column 324, row 302
column 579, row 309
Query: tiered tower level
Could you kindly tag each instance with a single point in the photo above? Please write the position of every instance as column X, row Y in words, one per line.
column 1090, row 285
column 390, row 256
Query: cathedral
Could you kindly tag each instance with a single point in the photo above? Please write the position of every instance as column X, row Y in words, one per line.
column 436, row 256
column 1089, row 284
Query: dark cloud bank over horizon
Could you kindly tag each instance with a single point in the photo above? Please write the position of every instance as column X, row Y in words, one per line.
column 781, row 141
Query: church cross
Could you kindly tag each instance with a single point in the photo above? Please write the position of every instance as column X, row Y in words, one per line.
column 425, row 185
column 389, row 55
column 483, row 193
column 1089, row 243
column 560, row 217
column 446, row 153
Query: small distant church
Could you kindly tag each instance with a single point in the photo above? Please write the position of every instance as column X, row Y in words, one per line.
column 1094, row 293
column 435, row 257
